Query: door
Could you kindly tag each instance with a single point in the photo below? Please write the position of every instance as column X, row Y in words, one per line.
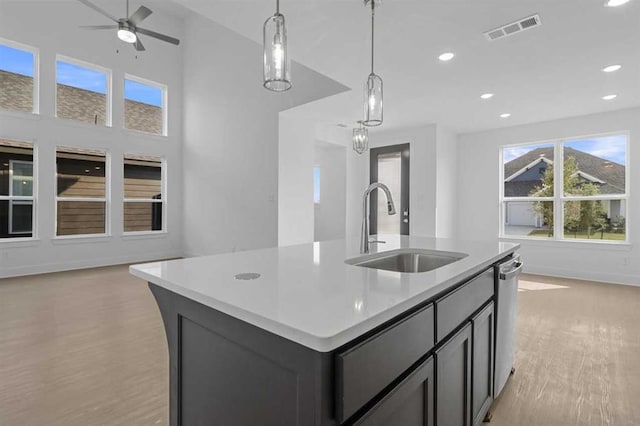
column 483, row 339
column 390, row 165
column 453, row 380
column 408, row 404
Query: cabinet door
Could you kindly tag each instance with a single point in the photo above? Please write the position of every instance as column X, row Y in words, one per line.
column 453, row 380
column 483, row 350
column 410, row 403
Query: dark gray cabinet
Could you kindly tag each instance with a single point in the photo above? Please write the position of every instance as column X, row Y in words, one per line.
column 410, row 403
column 431, row 365
column 483, row 353
column 453, row 380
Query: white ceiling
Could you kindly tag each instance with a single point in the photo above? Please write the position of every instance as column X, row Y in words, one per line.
column 542, row 74
column 546, row 73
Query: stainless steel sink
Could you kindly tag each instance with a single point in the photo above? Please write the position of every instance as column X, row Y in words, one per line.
column 407, row 260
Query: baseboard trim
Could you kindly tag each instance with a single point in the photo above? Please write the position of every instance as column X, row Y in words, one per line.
column 46, row 268
column 608, row 278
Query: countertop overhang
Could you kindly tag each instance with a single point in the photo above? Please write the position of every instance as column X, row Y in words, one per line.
column 308, row 294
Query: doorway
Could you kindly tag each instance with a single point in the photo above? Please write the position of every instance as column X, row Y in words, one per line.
column 390, row 165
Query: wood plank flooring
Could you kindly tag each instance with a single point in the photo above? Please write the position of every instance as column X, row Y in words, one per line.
column 88, row 348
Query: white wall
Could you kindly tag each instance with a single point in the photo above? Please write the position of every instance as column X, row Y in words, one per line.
column 330, row 213
column 231, row 141
column 52, row 27
column 478, row 201
column 446, row 182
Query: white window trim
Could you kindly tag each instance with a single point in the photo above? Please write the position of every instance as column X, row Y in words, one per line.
column 559, row 198
column 165, row 103
column 36, row 71
column 163, row 200
column 94, row 67
column 20, row 199
column 106, row 199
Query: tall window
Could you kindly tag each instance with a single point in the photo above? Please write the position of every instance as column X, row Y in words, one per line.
column 18, row 77
column 143, row 190
column 144, row 106
column 16, row 189
column 81, row 201
column 82, row 92
column 582, row 196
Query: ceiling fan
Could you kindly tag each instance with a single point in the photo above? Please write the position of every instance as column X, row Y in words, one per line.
column 128, row 28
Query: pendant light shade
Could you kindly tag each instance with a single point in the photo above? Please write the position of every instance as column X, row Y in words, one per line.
column 360, row 139
column 373, row 86
column 373, row 101
column 277, row 66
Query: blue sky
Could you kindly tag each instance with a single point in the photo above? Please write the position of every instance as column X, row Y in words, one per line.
column 81, row 77
column 16, row 61
column 21, row 62
column 316, row 184
column 612, row 148
column 135, row 91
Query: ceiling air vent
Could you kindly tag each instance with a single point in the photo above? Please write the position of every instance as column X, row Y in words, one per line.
column 514, row 27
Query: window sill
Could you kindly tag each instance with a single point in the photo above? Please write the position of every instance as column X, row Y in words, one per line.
column 20, row 242
column 143, row 235
column 20, row 114
column 145, row 135
column 81, row 124
column 81, row 239
column 586, row 244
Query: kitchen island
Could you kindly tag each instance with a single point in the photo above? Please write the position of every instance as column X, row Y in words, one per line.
column 316, row 341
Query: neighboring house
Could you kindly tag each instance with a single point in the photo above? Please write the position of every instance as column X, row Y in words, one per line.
column 523, row 174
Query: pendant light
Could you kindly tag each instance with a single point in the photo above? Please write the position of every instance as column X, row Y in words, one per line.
column 373, row 87
column 360, row 139
column 277, row 68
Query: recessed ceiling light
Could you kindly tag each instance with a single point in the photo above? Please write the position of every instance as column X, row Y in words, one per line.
column 609, row 97
column 611, row 68
column 505, row 115
column 486, row 95
column 446, row 56
column 615, row 3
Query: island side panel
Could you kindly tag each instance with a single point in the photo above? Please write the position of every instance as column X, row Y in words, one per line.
column 226, row 371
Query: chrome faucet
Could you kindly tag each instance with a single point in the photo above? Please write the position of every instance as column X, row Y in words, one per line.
column 391, row 209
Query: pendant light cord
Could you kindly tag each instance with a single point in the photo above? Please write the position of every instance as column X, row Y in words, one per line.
column 373, row 2
column 127, row 15
column 277, row 7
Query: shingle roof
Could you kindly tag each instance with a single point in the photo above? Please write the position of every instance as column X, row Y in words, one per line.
column 613, row 174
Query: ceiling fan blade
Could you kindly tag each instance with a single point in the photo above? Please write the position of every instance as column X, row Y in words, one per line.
column 98, row 27
column 139, row 15
column 138, row 45
column 158, row 36
column 98, row 9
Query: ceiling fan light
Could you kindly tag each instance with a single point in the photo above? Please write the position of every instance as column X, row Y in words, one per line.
column 127, row 35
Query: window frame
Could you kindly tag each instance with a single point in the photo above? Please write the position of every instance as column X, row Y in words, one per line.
column 19, row 199
column 106, row 199
column 108, row 95
column 165, row 103
column 559, row 198
column 163, row 193
column 33, row 198
column 36, row 75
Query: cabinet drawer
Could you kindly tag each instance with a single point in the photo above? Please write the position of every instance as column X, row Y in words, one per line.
column 454, row 308
column 362, row 371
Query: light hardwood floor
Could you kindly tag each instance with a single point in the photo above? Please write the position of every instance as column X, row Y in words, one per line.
column 88, row 348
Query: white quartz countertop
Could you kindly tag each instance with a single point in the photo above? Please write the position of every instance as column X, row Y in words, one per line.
column 308, row 294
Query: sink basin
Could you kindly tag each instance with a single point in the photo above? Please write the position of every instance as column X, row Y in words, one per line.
column 407, row 260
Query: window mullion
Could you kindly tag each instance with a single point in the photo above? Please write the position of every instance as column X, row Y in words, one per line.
column 558, row 192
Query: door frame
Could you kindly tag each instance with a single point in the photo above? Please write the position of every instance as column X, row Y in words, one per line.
column 405, row 155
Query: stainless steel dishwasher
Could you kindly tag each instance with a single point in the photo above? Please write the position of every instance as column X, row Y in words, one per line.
column 507, row 303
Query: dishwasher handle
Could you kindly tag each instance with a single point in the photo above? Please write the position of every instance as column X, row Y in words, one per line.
column 513, row 272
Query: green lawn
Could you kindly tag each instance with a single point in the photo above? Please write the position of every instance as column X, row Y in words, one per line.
column 617, row 236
